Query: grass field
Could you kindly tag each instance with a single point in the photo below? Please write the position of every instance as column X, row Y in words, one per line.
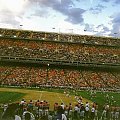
column 27, row 94
column 101, row 97
column 54, row 95
column 6, row 97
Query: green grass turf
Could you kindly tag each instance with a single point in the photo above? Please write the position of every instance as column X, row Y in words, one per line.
column 56, row 95
column 101, row 99
column 51, row 95
column 100, row 96
column 8, row 97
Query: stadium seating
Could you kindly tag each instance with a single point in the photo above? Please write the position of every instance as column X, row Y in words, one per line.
column 61, row 47
column 31, row 76
column 108, row 41
column 59, row 51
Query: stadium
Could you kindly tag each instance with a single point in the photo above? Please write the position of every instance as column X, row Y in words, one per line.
column 63, row 62
column 59, row 60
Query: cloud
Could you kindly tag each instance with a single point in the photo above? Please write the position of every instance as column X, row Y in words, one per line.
column 65, row 7
column 117, row 1
column 114, row 1
column 74, row 15
column 115, row 25
column 105, row 0
column 99, row 30
column 89, row 27
column 12, row 14
column 98, row 9
column 39, row 8
column 41, row 13
column 7, row 17
column 102, row 30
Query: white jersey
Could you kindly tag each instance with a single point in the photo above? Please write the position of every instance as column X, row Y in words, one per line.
column 76, row 108
column 87, row 105
column 32, row 116
column 17, row 117
column 87, row 108
column 116, row 114
column 64, row 117
column 63, row 106
column 93, row 110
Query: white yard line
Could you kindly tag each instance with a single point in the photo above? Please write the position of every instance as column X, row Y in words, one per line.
column 40, row 95
column 59, row 98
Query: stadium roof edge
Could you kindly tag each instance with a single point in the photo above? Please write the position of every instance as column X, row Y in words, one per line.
column 58, row 33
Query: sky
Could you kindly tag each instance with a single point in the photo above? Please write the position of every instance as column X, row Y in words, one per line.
column 85, row 17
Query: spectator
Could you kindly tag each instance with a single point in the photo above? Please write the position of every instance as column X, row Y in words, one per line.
column 17, row 115
column 60, row 114
column 28, row 115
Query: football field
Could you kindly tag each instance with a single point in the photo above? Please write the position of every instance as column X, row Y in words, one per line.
column 35, row 95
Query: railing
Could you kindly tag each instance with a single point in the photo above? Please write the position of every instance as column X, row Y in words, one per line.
column 57, row 62
column 80, row 41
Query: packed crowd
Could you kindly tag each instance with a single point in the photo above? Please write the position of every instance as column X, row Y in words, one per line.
column 47, row 76
column 60, row 37
column 59, row 51
column 39, row 110
column 40, row 76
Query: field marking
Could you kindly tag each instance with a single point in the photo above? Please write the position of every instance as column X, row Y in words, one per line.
column 40, row 95
column 60, row 98
column 36, row 95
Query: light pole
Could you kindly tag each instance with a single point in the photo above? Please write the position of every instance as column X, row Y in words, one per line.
column 59, row 30
column 55, row 29
column 47, row 73
column 21, row 26
column 115, row 34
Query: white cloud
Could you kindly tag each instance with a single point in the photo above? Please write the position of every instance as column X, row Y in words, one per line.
column 14, row 6
column 63, row 15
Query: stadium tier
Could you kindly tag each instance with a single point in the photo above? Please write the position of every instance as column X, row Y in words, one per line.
column 36, row 77
column 42, row 60
column 47, row 36
column 26, row 46
column 60, row 51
